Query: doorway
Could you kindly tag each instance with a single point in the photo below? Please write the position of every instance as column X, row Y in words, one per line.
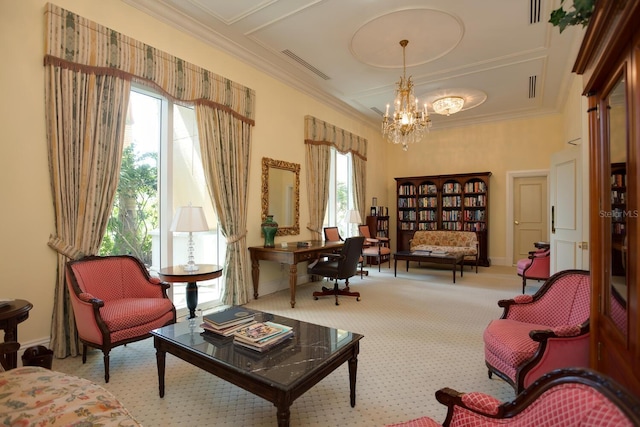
column 528, row 212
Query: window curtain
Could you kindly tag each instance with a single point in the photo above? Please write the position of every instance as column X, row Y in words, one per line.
column 85, row 117
column 225, row 146
column 320, row 137
column 89, row 69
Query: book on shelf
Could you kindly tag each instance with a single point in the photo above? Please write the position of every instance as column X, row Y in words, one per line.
column 262, row 336
column 231, row 316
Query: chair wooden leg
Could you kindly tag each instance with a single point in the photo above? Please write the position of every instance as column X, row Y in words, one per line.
column 106, row 367
column 84, row 353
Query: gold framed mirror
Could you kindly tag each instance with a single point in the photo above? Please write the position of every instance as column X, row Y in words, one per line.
column 281, row 195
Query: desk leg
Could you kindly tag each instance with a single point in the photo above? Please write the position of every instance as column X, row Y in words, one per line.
column 192, row 298
column 395, row 267
column 255, row 276
column 293, row 279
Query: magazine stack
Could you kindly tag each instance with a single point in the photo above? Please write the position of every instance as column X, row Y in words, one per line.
column 262, row 336
column 226, row 322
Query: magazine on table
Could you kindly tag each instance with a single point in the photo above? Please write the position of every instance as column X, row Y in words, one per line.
column 226, row 331
column 260, row 331
column 268, row 344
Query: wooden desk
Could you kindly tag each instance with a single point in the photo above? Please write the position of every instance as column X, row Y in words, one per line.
column 177, row 274
column 291, row 255
column 17, row 311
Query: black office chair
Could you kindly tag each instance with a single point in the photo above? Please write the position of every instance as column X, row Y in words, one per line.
column 341, row 266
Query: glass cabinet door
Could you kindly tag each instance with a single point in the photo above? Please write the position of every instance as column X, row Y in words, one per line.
column 619, row 212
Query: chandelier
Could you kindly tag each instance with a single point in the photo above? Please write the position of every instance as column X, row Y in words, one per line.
column 408, row 123
column 448, row 105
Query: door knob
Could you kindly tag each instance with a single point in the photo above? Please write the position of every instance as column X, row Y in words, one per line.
column 516, row 222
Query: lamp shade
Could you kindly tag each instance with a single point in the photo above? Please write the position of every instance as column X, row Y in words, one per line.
column 353, row 217
column 189, row 218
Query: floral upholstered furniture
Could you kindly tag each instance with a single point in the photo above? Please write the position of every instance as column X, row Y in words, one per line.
column 536, row 266
column 115, row 302
column 464, row 242
column 35, row 396
column 542, row 332
column 562, row 398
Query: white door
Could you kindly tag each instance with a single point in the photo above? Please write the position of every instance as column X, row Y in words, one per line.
column 529, row 214
column 566, row 210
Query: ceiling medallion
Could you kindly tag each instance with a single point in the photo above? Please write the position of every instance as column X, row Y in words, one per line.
column 408, row 123
column 448, row 105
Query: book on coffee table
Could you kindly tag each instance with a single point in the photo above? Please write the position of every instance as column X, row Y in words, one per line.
column 231, row 316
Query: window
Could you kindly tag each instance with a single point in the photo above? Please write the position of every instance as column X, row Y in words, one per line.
column 162, row 170
column 340, row 194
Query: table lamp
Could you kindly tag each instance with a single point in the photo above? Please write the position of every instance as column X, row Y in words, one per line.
column 191, row 219
column 353, row 217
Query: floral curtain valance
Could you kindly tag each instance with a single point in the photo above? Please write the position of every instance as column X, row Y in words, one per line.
column 317, row 131
column 76, row 42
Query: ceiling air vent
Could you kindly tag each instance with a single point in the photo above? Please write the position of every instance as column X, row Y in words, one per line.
column 306, row 65
column 534, row 11
column 533, row 81
column 377, row 110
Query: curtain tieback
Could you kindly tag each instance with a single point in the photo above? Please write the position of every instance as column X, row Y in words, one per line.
column 315, row 230
column 236, row 237
column 63, row 248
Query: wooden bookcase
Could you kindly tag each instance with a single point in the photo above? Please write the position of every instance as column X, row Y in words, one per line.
column 378, row 226
column 444, row 202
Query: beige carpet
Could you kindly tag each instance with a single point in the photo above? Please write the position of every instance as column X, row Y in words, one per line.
column 421, row 333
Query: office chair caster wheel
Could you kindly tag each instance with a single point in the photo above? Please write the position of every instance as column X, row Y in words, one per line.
column 315, row 298
column 358, row 299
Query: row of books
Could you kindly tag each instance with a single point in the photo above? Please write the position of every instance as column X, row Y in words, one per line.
column 241, row 324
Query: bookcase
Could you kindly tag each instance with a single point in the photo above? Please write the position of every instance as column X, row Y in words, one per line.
column 618, row 216
column 458, row 202
column 378, row 225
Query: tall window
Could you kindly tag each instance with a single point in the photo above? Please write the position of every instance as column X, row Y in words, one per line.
column 340, row 194
column 162, row 170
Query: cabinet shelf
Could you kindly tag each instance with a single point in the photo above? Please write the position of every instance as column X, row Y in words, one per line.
column 444, row 202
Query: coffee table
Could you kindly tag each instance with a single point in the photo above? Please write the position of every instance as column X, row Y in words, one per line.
column 424, row 256
column 279, row 375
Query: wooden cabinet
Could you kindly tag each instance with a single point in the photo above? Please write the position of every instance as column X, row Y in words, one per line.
column 378, row 225
column 609, row 62
column 444, row 202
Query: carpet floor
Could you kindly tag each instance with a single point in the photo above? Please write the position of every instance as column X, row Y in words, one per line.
column 421, row 333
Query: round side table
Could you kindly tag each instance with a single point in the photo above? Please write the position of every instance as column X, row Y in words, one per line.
column 176, row 274
column 17, row 311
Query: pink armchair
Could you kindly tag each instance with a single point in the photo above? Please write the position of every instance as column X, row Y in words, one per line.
column 542, row 332
column 378, row 247
column 115, row 302
column 536, row 266
column 562, row 398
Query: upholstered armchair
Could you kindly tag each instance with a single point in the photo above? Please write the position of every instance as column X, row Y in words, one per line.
column 378, row 247
column 536, row 266
column 116, row 302
column 562, row 398
column 542, row 332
